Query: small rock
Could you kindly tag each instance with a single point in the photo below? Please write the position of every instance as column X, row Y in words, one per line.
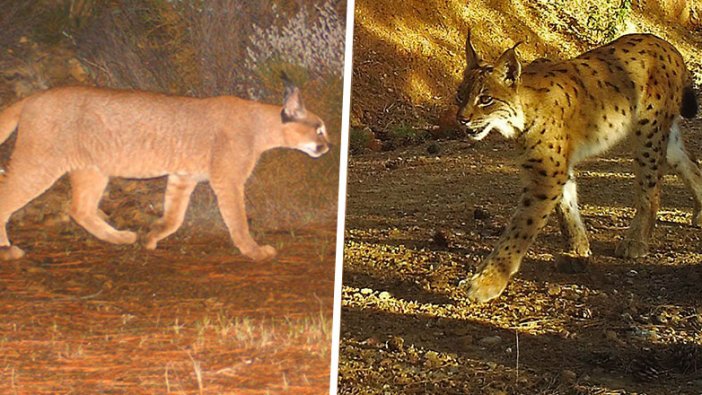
column 490, row 341
column 396, row 343
column 375, row 145
column 459, row 330
column 412, row 356
column 433, row 149
column 392, row 164
column 611, row 335
column 481, row 213
column 554, row 289
column 466, row 340
column 661, row 318
column 366, row 291
column 439, row 239
column 568, row 376
column 571, row 264
column 431, row 359
column 572, row 294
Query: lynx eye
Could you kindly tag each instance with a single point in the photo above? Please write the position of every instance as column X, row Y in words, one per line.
column 459, row 98
column 485, row 100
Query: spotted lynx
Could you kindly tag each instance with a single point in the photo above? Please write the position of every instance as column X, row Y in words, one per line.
column 563, row 112
column 93, row 134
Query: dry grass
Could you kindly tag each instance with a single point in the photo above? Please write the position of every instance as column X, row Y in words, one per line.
column 192, row 316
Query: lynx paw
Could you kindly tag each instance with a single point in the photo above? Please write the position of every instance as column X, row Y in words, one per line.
column 629, row 248
column 124, row 237
column 10, row 253
column 487, row 285
column 154, row 235
column 581, row 250
column 261, row 253
column 151, row 242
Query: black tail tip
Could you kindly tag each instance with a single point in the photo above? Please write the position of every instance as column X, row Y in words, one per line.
column 688, row 108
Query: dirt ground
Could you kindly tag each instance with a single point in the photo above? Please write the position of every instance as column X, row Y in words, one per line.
column 80, row 316
column 420, row 218
column 614, row 326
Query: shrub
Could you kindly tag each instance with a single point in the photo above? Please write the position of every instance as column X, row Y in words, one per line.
column 405, row 134
column 359, row 139
column 215, row 47
column 134, row 44
column 315, row 43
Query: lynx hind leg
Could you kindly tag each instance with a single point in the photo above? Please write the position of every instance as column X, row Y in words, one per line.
column 687, row 169
column 569, row 219
column 87, row 186
column 175, row 205
column 649, row 163
column 23, row 182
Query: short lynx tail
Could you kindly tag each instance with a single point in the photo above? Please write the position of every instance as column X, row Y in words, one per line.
column 9, row 119
column 688, row 107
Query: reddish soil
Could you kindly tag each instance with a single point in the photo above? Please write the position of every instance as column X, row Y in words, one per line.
column 192, row 317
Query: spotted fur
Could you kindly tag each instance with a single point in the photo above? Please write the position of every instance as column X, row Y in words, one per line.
column 563, row 112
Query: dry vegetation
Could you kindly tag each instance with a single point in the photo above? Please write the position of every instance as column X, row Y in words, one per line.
column 193, row 316
column 408, row 57
column 422, row 215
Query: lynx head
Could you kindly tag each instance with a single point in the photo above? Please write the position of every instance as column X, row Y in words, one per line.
column 487, row 97
column 302, row 129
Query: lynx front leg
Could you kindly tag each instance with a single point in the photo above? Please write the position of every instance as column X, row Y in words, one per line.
column 230, row 197
column 540, row 196
column 175, row 205
column 87, row 186
column 571, row 224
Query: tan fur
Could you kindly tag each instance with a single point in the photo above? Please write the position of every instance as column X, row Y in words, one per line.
column 93, row 134
column 563, row 112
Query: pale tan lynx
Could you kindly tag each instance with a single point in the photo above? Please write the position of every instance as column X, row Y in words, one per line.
column 93, row 134
column 563, row 112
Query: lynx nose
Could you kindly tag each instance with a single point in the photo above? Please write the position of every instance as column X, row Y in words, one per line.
column 463, row 121
column 323, row 148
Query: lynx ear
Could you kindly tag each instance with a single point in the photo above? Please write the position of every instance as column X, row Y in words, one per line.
column 472, row 58
column 293, row 107
column 508, row 67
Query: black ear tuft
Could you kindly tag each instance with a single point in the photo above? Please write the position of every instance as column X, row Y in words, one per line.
column 286, row 80
column 288, row 84
column 472, row 58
